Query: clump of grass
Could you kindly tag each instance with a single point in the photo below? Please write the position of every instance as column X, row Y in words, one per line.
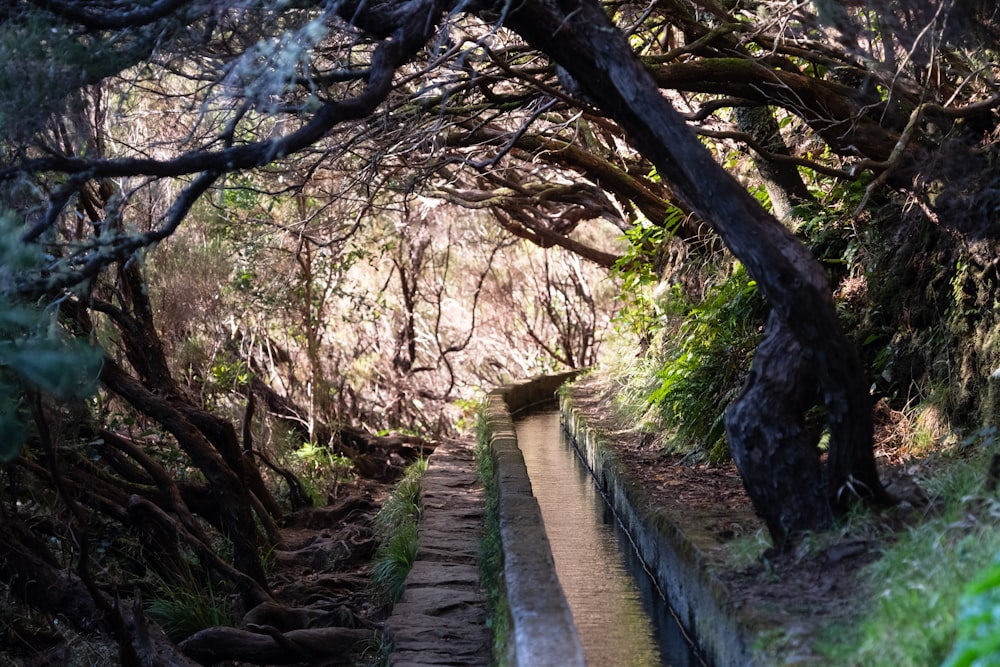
column 188, row 607
column 376, row 651
column 746, row 551
column 403, row 505
column 393, row 561
column 629, row 380
column 909, row 615
column 491, row 549
column 396, row 528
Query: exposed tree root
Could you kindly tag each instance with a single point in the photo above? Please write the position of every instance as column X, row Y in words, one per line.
column 268, row 645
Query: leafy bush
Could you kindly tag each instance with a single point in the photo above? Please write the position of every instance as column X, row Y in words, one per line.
column 978, row 641
column 36, row 354
column 637, row 310
column 321, row 471
column 707, row 359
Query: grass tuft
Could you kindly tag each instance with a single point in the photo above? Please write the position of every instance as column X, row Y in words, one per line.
column 184, row 609
column 396, row 527
column 394, row 559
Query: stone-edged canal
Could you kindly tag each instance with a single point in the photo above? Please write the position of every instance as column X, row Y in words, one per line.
column 619, row 613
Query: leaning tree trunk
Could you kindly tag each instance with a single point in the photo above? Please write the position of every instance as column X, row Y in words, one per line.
column 770, row 442
column 230, row 496
column 144, row 349
column 583, row 40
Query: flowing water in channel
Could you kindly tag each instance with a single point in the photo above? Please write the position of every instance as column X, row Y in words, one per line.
column 620, row 617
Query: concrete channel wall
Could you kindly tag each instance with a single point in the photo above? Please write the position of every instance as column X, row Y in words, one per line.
column 698, row 600
column 542, row 630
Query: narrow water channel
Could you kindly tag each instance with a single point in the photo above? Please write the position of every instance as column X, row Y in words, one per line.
column 620, row 617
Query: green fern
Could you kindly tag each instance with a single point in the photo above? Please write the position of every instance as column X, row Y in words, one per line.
column 707, row 359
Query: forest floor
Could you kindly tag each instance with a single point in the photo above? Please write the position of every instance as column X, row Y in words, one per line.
column 324, row 608
column 794, row 597
column 322, row 568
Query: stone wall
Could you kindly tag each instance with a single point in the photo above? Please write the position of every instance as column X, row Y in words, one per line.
column 699, row 601
column 542, row 630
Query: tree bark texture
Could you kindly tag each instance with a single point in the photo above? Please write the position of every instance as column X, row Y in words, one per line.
column 769, row 441
column 581, row 38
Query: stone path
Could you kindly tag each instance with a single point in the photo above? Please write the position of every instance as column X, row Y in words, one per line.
column 441, row 619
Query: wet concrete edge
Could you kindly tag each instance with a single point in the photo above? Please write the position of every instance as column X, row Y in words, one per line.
column 699, row 600
column 542, row 629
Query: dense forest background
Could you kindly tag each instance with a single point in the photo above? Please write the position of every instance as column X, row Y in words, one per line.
column 252, row 253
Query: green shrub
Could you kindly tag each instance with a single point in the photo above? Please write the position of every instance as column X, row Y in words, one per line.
column 707, row 359
column 321, row 471
column 978, row 641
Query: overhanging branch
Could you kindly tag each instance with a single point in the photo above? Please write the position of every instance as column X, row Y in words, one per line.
column 100, row 16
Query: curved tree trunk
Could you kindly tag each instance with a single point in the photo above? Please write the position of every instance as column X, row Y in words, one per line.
column 145, row 353
column 229, row 493
column 581, row 38
column 776, row 455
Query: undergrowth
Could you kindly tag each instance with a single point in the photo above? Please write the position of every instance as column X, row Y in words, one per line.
column 490, row 553
column 183, row 609
column 708, row 358
column 695, row 365
column 909, row 614
column 396, row 528
column 321, row 471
